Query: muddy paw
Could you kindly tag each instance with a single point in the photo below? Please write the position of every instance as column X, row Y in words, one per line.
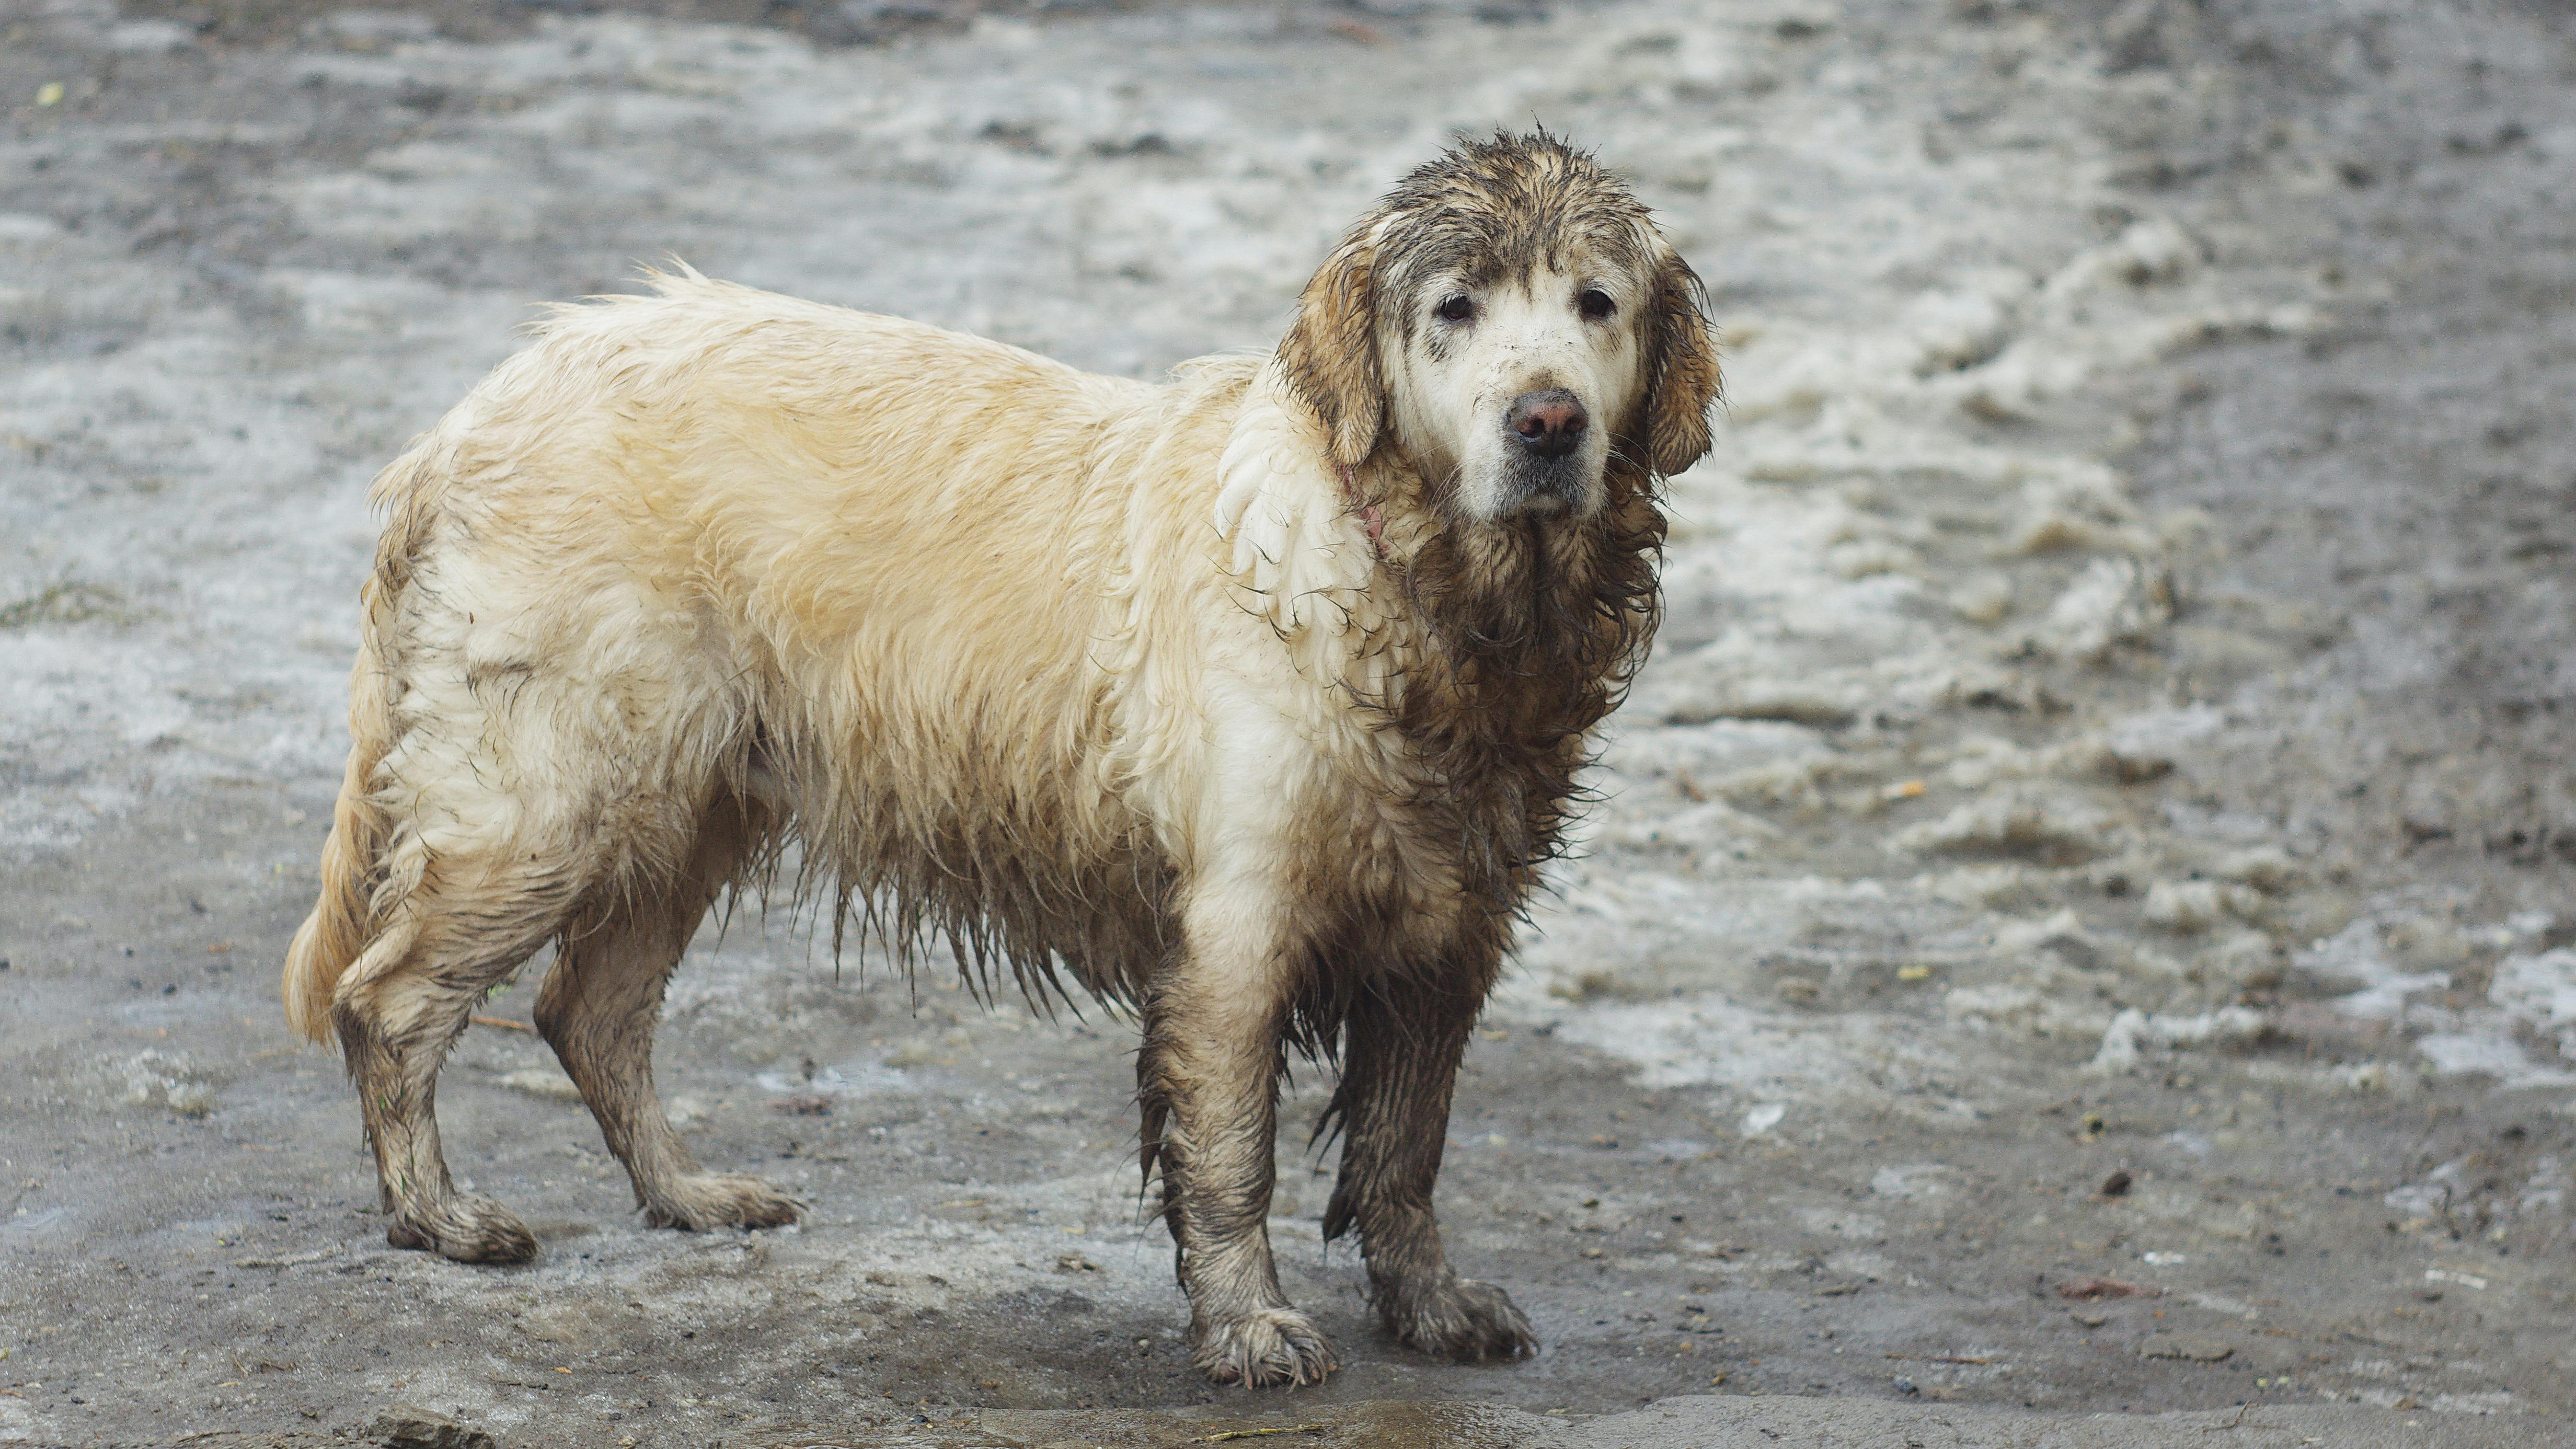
column 707, row 1201
column 1264, row 1349
column 1462, row 1319
column 466, row 1228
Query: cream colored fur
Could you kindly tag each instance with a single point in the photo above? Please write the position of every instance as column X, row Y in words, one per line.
column 1014, row 581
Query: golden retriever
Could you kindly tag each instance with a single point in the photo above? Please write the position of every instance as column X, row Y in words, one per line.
column 1252, row 700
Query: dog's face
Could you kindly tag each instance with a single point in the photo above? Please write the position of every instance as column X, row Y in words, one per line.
column 1511, row 320
column 1509, row 385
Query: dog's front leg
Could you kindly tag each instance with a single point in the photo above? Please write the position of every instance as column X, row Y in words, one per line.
column 1402, row 1042
column 1208, row 1079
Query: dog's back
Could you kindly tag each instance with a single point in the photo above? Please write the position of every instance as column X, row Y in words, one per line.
column 855, row 573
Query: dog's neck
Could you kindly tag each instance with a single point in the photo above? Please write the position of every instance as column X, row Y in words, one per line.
column 1309, row 539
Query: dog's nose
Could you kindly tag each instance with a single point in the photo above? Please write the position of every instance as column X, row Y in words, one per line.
column 1549, row 423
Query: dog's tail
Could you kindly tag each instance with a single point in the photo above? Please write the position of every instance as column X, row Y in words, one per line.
column 343, row 917
column 346, row 916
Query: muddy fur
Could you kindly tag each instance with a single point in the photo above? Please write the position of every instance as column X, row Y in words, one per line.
column 1252, row 700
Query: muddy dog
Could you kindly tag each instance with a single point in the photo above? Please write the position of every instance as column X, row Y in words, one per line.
column 1251, row 701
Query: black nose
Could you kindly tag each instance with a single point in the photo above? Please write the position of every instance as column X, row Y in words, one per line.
column 1549, row 423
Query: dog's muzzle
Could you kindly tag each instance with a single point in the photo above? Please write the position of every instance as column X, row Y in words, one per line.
column 1544, row 434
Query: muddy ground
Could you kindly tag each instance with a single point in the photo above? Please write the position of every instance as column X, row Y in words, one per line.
column 2099, row 822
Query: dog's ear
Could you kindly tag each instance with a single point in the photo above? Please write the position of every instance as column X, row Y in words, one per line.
column 1330, row 353
column 1682, row 379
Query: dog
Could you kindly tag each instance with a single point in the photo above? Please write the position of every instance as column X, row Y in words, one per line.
column 1251, row 701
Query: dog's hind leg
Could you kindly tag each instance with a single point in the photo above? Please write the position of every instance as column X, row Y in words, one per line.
column 463, row 929
column 598, row 1010
column 1208, row 1078
column 1402, row 1042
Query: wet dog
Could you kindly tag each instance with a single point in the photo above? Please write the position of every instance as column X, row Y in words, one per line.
column 1252, row 700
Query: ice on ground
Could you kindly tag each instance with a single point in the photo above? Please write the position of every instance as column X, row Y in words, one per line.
column 2018, row 822
column 2490, row 1054
column 154, row 1078
column 2023, row 1010
column 1920, row 1179
column 2531, row 994
column 2115, row 601
column 2540, row 990
column 2133, row 1029
column 2354, row 956
column 2193, row 906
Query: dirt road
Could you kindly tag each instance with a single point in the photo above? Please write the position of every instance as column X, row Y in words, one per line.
column 2081, row 920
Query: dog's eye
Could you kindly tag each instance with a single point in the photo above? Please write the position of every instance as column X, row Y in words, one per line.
column 1456, row 309
column 1595, row 305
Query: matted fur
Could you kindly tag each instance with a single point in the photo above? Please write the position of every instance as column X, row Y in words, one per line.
column 1252, row 700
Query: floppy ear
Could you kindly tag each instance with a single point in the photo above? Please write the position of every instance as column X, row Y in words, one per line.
column 1330, row 353
column 1682, row 377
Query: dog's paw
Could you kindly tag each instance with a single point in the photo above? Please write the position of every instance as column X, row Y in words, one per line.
column 1461, row 1319
column 1263, row 1349
column 466, row 1228
column 704, row 1201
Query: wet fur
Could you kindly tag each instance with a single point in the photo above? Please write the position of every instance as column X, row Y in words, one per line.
column 1067, row 676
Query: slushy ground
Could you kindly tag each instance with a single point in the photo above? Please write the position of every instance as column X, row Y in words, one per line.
column 2080, row 924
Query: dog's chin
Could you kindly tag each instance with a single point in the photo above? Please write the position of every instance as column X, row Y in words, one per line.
column 1540, row 489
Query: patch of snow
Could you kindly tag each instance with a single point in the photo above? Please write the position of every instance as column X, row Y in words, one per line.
column 2495, row 1055
column 2540, row 989
column 2354, row 955
column 2133, row 1029
column 1921, row 1179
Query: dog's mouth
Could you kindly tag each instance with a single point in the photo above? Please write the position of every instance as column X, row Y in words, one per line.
column 1530, row 486
column 1527, row 483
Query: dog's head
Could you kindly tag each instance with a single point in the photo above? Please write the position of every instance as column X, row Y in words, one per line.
column 1512, row 321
